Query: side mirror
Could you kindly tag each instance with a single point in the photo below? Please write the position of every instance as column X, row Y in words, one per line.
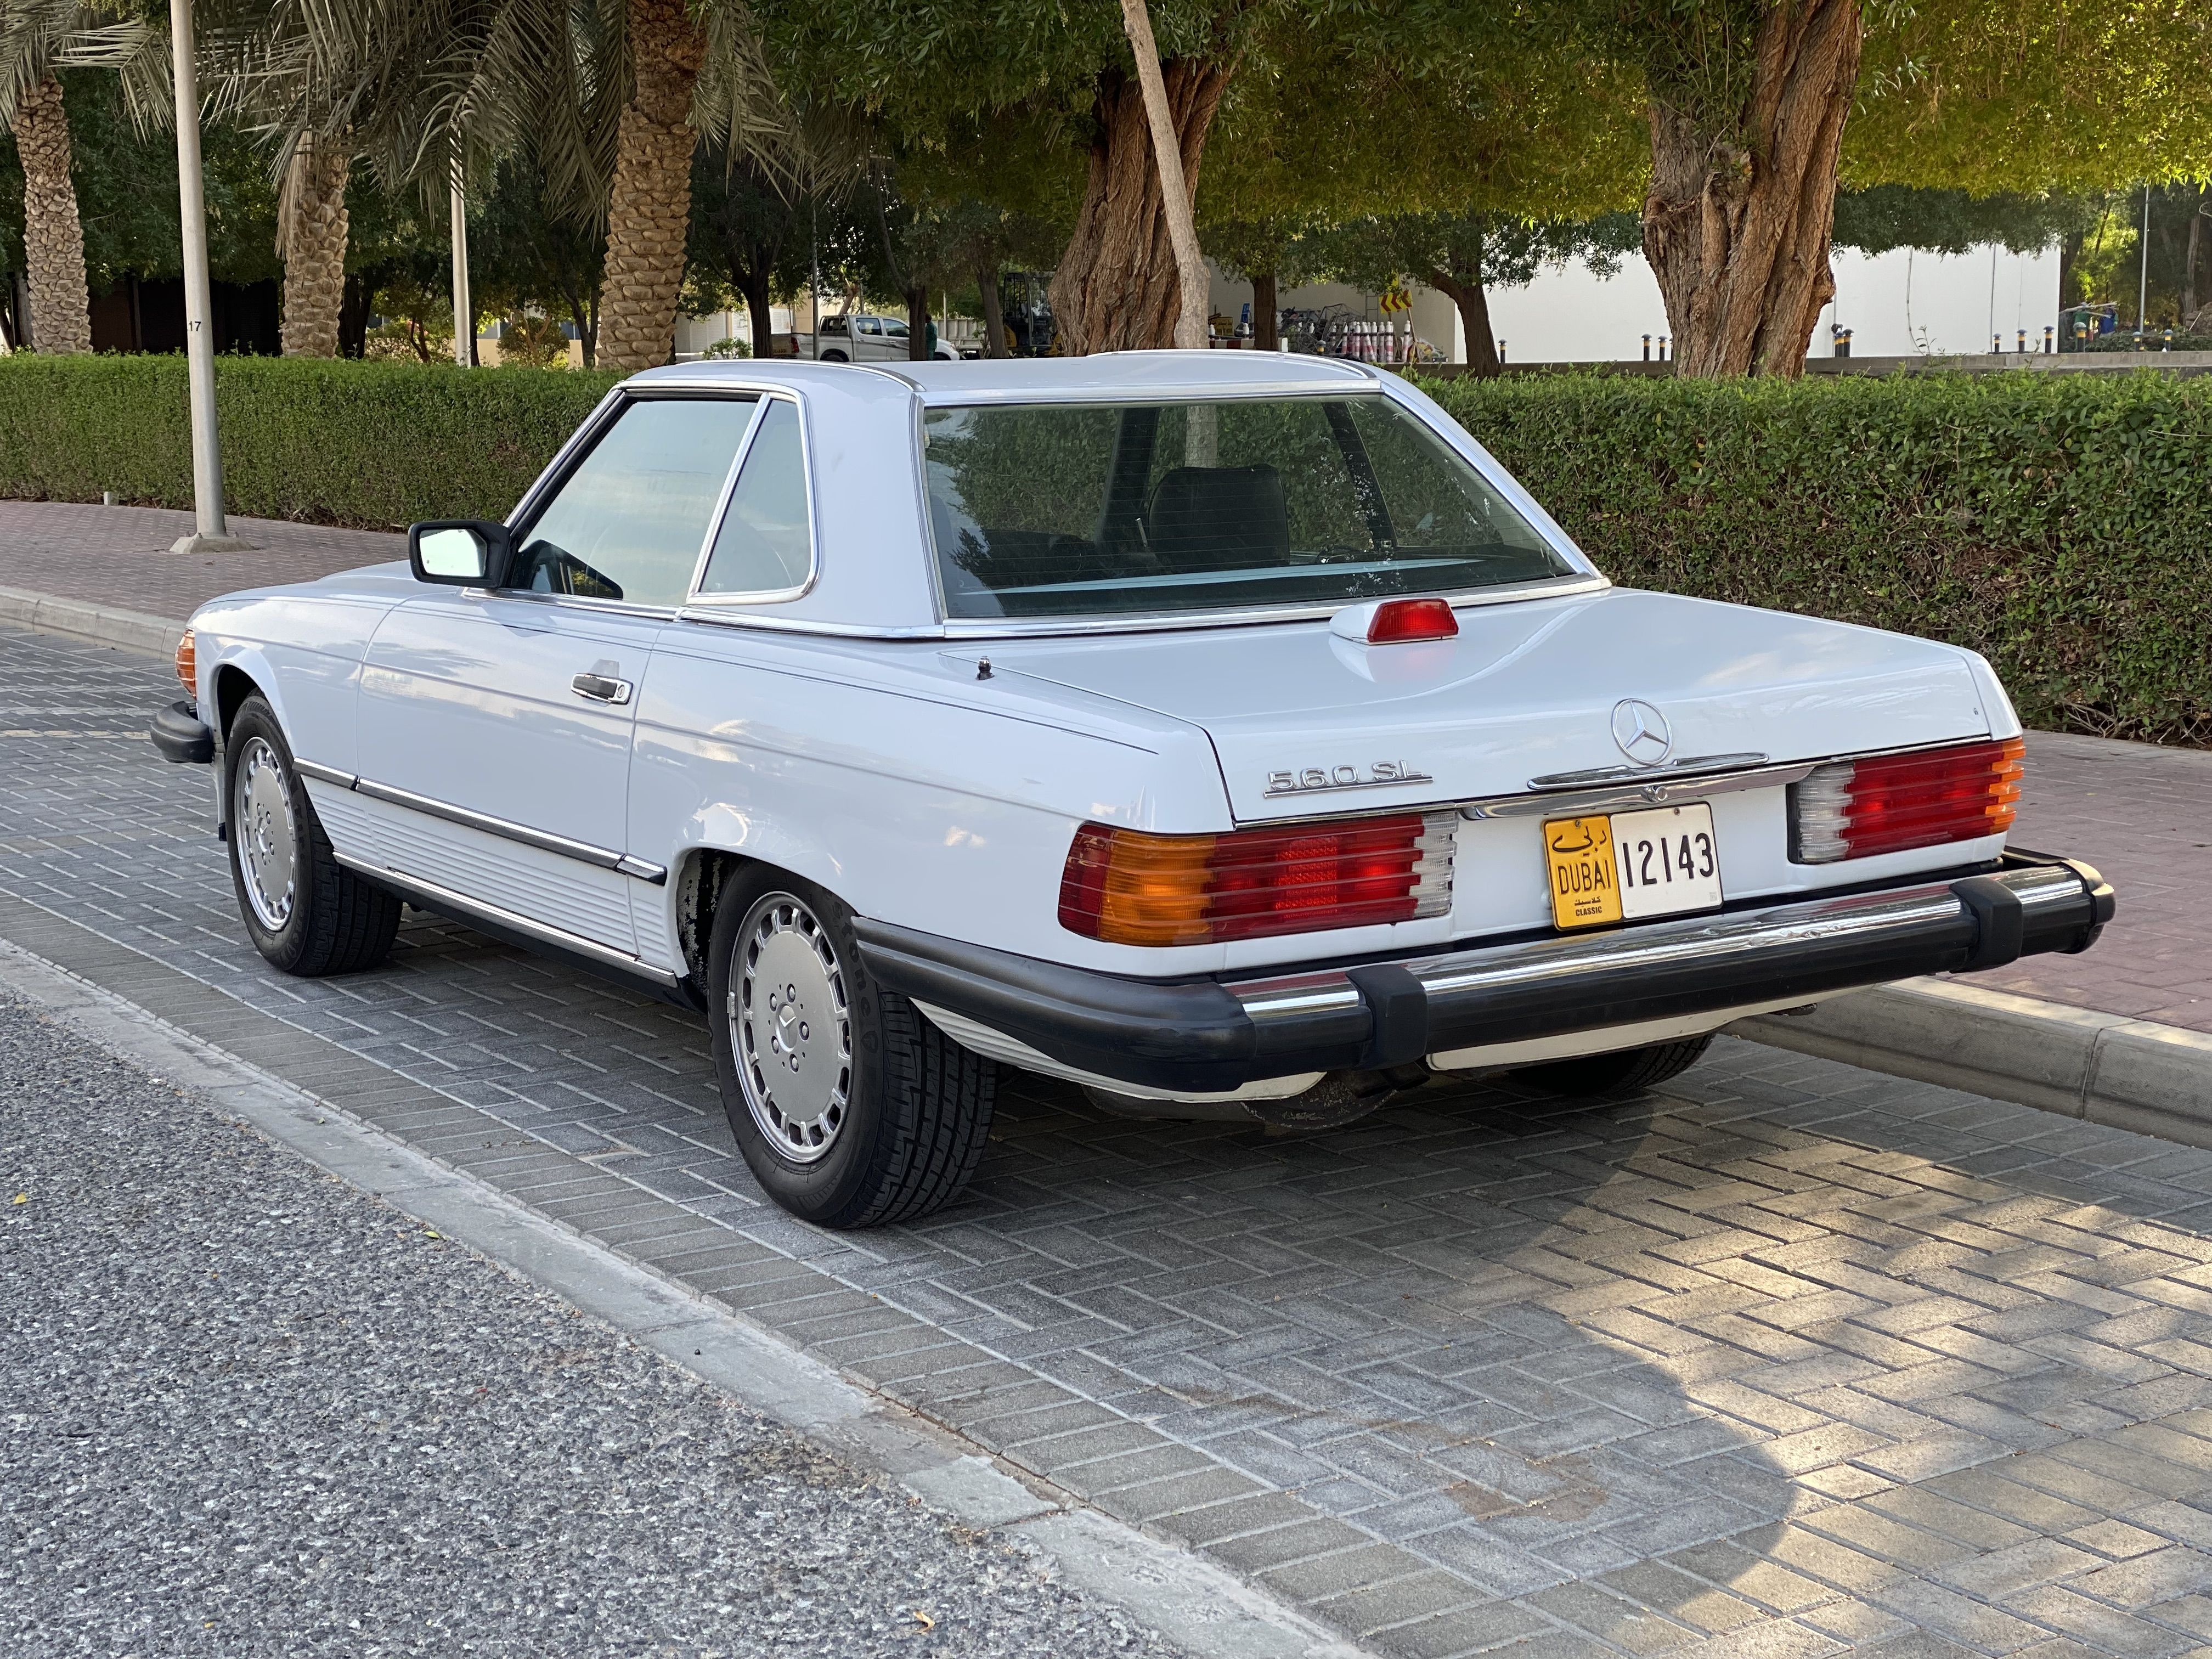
column 459, row 553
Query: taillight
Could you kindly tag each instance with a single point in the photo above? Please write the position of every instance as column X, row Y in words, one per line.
column 188, row 664
column 1894, row 803
column 1130, row 888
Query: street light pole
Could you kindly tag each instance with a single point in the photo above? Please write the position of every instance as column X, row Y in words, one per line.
column 2142, row 290
column 464, row 314
column 211, row 534
column 1191, row 326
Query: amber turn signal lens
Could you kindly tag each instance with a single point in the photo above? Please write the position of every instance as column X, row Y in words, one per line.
column 1129, row 888
column 188, row 664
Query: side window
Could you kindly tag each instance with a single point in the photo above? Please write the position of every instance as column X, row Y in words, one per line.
column 628, row 522
column 765, row 544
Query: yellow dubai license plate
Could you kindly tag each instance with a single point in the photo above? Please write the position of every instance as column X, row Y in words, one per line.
column 1625, row 867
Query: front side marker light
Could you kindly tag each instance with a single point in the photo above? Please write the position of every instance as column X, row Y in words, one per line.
column 188, row 664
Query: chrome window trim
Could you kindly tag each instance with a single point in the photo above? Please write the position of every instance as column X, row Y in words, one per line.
column 445, row 898
column 1153, row 621
column 695, row 595
column 722, row 615
column 583, row 852
column 966, row 397
column 585, row 438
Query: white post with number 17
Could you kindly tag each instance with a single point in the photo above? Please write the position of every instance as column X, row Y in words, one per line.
column 212, row 535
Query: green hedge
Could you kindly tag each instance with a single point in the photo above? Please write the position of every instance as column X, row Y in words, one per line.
column 378, row 445
column 2059, row 524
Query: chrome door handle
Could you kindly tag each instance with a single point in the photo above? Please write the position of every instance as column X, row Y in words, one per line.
column 601, row 688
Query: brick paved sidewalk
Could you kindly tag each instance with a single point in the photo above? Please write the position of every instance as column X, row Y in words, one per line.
column 2140, row 813
column 120, row 556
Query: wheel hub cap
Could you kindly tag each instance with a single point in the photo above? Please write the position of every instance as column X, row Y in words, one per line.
column 790, row 1028
column 261, row 819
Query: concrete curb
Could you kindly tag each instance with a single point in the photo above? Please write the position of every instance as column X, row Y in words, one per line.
column 104, row 624
column 1195, row 1603
column 2129, row 1073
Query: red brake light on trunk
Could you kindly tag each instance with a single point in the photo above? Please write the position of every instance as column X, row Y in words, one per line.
column 1895, row 803
column 1130, row 888
column 1395, row 622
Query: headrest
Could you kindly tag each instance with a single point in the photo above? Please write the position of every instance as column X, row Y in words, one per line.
column 1220, row 517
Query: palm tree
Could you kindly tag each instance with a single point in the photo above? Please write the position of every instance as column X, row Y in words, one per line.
column 606, row 98
column 38, row 37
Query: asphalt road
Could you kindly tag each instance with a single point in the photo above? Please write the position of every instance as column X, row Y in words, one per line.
column 246, row 1409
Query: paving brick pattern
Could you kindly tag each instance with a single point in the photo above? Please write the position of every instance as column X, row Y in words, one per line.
column 120, row 556
column 1786, row 1358
column 2143, row 816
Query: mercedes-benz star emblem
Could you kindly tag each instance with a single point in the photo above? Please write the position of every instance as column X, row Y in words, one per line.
column 1642, row 731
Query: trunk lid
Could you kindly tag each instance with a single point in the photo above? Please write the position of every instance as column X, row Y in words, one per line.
column 1527, row 690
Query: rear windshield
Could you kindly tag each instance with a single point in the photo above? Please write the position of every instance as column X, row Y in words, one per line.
column 1091, row 509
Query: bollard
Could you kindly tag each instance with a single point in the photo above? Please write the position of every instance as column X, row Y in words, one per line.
column 1647, row 348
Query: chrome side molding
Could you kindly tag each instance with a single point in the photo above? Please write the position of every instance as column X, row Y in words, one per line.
column 603, row 858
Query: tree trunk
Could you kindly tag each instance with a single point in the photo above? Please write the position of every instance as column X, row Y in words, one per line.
column 917, row 325
column 1264, row 306
column 1737, row 223
column 760, row 308
column 315, row 248
column 1465, row 290
column 53, row 236
column 649, row 207
column 1117, row 288
column 353, row 317
column 994, row 313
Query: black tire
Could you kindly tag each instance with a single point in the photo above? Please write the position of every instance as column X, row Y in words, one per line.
column 336, row 922
column 834, row 356
column 1592, row 1076
column 916, row 1106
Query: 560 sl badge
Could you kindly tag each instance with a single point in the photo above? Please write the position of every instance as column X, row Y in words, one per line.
column 1320, row 779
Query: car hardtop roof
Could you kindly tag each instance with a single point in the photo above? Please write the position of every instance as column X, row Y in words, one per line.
column 1144, row 375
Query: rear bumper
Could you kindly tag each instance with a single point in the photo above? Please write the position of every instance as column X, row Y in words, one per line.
column 1218, row 1034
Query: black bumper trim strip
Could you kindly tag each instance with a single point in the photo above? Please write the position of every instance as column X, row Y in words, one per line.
column 181, row 736
column 1199, row 1034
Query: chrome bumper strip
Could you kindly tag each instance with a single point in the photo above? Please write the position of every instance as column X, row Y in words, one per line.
column 1778, row 931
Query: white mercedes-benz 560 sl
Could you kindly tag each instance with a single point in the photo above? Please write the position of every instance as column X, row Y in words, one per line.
column 1227, row 733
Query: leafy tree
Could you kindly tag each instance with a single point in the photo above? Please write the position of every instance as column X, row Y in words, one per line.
column 526, row 256
column 1886, row 217
column 1465, row 255
column 933, row 72
column 1748, row 101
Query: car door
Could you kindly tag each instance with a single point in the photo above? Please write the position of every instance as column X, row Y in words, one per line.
column 495, row 727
